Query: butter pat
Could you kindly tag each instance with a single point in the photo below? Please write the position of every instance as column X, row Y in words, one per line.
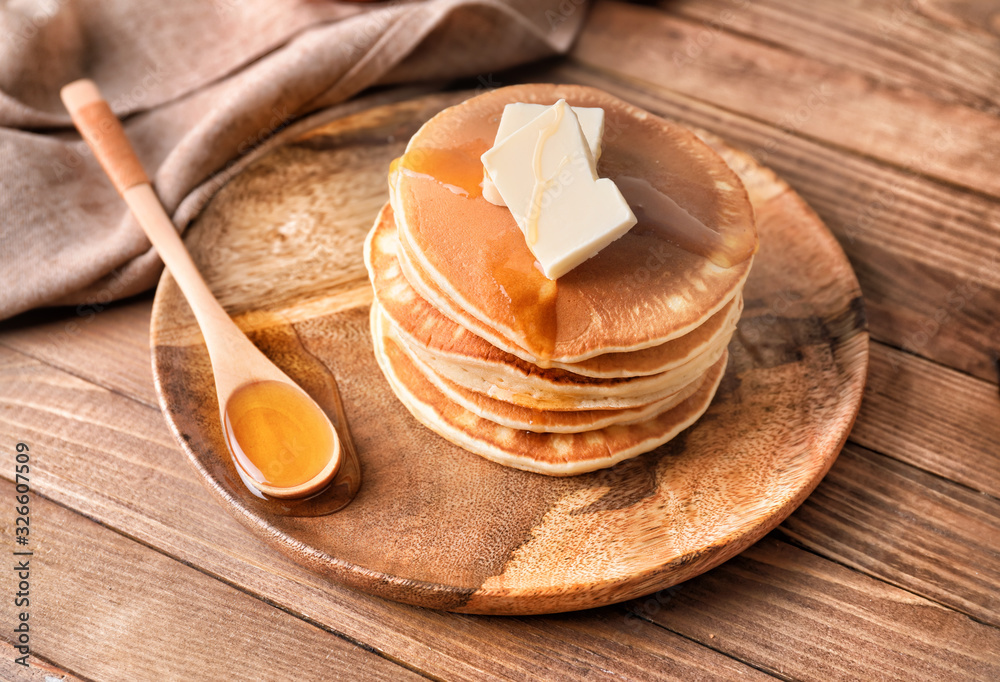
column 546, row 174
column 519, row 114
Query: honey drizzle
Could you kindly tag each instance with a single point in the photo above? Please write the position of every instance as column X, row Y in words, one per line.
column 458, row 169
column 530, row 296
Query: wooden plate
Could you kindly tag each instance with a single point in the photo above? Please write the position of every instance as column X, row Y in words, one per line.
column 436, row 526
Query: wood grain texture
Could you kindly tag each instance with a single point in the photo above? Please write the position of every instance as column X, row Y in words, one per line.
column 898, row 45
column 159, row 500
column 905, row 526
column 913, row 410
column 329, row 202
column 796, row 616
column 96, row 619
column 815, row 99
column 964, row 16
column 179, row 515
column 925, row 253
column 107, row 344
column 933, row 418
column 174, row 511
column 436, row 539
column 37, row 670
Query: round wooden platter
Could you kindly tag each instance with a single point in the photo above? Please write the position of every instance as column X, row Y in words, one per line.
column 433, row 525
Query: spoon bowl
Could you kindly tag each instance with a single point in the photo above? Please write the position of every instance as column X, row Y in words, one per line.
column 283, row 421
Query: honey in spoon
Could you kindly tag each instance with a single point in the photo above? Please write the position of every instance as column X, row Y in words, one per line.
column 281, row 439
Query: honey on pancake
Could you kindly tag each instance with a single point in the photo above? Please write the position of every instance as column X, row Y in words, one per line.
column 277, row 434
column 531, row 296
column 639, row 291
column 659, row 214
column 459, row 169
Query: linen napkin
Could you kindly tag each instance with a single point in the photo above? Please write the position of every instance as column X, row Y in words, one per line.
column 201, row 83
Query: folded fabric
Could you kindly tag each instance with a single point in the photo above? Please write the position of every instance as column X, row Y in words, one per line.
column 201, row 84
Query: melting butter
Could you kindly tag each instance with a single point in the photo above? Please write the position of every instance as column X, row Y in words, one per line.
column 541, row 183
column 546, row 174
column 516, row 115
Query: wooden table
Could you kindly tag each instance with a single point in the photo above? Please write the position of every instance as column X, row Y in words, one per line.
column 884, row 116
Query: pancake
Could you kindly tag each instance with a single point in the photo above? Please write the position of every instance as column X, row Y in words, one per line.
column 641, row 291
column 554, row 454
column 557, row 389
column 423, row 325
column 527, row 419
column 558, row 377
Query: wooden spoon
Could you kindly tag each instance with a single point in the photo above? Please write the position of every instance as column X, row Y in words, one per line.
column 278, row 436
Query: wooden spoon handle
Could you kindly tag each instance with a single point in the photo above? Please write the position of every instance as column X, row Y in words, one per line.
column 104, row 134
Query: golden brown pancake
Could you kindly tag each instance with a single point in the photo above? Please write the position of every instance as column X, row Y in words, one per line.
column 641, row 291
column 557, row 389
column 517, row 381
column 528, row 419
column 558, row 377
column 555, row 454
column 423, row 325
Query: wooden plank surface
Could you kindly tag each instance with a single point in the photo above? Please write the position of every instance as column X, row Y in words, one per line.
column 816, row 99
column 127, row 460
column 963, row 17
column 798, row 616
column 107, row 345
column 875, row 38
column 924, row 533
column 36, row 670
column 934, row 418
column 914, row 410
column 159, row 619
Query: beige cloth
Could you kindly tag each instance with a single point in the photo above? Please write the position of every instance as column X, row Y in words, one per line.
column 201, row 83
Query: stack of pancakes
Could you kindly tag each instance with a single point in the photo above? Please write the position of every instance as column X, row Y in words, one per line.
column 558, row 377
